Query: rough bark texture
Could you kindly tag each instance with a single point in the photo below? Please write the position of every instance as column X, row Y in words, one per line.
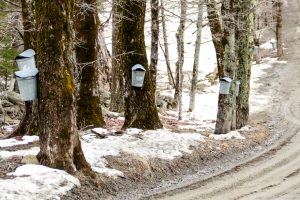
column 196, row 56
column 226, row 103
column 166, row 45
column 245, row 43
column 87, row 52
column 140, row 108
column 217, row 33
column 180, row 53
column 28, row 124
column 59, row 139
column 279, row 29
column 154, row 40
column 118, row 83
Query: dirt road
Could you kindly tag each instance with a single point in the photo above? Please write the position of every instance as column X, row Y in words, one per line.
column 276, row 174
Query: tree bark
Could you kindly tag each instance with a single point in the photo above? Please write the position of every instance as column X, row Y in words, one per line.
column 196, row 56
column 166, row 44
column 217, row 33
column 87, row 55
column 279, row 29
column 226, row 103
column 59, row 139
column 28, row 123
column 154, row 40
column 140, row 108
column 118, row 83
column 245, row 32
column 180, row 53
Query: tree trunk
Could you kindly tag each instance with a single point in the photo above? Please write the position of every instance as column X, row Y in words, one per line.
column 166, row 44
column 245, row 32
column 28, row 123
column 154, row 40
column 87, row 52
column 118, row 83
column 180, row 61
column 279, row 29
column 226, row 103
column 59, row 139
column 217, row 33
column 196, row 56
column 140, row 108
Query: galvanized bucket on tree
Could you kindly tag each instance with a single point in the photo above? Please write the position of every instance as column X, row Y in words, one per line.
column 225, row 83
column 26, row 60
column 27, row 83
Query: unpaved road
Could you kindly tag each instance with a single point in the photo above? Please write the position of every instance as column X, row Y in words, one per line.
column 276, row 174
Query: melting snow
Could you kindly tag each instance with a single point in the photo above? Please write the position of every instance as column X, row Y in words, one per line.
column 14, row 142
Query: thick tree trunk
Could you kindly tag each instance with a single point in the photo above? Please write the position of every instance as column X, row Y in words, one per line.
column 279, row 28
column 166, row 44
column 140, row 108
column 245, row 32
column 217, row 33
column 180, row 53
column 226, row 105
column 87, row 52
column 118, row 83
column 28, row 123
column 59, row 139
column 196, row 56
column 154, row 40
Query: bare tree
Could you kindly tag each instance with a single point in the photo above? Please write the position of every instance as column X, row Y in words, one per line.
column 28, row 123
column 279, row 5
column 166, row 44
column 196, row 56
column 244, row 38
column 154, row 39
column 180, row 52
column 226, row 103
column 59, row 139
column 87, row 24
column 140, row 107
column 118, row 83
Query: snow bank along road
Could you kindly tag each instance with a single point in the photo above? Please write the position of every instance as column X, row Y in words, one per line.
column 276, row 174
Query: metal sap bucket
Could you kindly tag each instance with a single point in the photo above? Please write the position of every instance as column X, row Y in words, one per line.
column 26, row 60
column 237, row 88
column 138, row 75
column 225, row 83
column 27, row 83
column 274, row 44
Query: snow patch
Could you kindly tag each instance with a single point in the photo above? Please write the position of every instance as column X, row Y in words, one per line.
column 36, row 182
column 9, row 154
column 161, row 144
column 228, row 136
column 14, row 142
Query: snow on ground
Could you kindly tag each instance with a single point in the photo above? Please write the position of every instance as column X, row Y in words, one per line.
column 20, row 153
column 36, row 182
column 161, row 144
column 14, row 142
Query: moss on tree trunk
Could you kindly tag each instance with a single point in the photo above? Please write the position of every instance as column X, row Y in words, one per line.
column 87, row 51
column 59, row 139
column 140, row 108
column 245, row 42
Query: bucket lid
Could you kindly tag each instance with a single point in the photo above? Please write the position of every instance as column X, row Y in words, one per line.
column 138, row 67
column 227, row 79
column 26, row 54
column 27, row 73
